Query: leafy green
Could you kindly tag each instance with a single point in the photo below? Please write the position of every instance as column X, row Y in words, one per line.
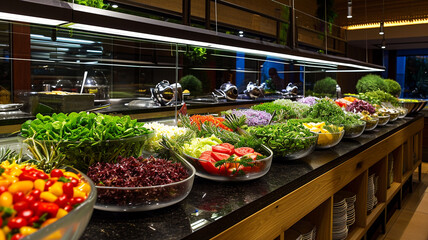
column 325, row 86
column 197, row 146
column 394, row 87
column 82, row 127
column 371, row 82
column 283, row 112
column 326, row 110
column 81, row 138
column 284, row 138
column 377, row 97
column 297, row 108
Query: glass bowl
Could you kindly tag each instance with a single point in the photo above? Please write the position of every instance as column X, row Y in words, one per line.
column 135, row 199
column 371, row 124
column 393, row 116
column 354, row 131
column 300, row 151
column 383, row 120
column 72, row 225
column 328, row 140
column 402, row 112
column 232, row 171
column 82, row 154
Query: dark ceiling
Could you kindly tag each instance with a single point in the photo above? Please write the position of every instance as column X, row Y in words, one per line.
column 378, row 10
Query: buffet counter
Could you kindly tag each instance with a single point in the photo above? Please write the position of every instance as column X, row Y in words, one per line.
column 290, row 191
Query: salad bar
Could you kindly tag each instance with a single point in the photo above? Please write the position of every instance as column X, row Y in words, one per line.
column 202, row 175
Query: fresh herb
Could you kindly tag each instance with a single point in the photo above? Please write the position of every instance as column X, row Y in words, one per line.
column 47, row 156
column 64, row 180
column 284, row 139
column 2, row 170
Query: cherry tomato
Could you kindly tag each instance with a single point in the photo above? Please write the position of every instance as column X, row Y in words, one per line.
column 36, row 194
column 68, row 208
column 243, row 150
column 42, row 175
column 3, row 189
column 74, row 181
column 57, row 173
column 48, row 184
column 21, row 206
column 76, row 200
column 221, row 149
column 1, row 221
column 17, row 236
column 17, row 222
column 34, row 206
column 27, row 214
column 33, row 219
column 219, row 156
column 30, row 199
column 67, row 189
column 17, row 197
column 62, row 201
column 45, row 207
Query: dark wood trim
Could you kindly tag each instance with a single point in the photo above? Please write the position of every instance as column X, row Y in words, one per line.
column 21, row 52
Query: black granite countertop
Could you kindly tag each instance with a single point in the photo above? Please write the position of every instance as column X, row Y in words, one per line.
column 212, row 207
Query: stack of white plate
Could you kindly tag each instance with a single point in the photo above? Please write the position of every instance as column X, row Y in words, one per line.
column 306, row 229
column 376, row 178
column 340, row 230
column 370, row 193
column 350, row 199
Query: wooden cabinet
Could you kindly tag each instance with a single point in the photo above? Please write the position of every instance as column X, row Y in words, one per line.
column 393, row 160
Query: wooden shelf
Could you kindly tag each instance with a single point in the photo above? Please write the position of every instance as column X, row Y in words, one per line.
column 393, row 189
column 374, row 214
column 406, row 175
column 356, row 233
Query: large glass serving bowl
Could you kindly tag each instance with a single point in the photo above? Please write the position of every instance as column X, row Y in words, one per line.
column 300, row 151
column 393, row 116
column 233, row 171
column 371, row 123
column 82, row 154
column 328, row 140
column 354, row 131
column 72, row 225
column 383, row 120
column 134, row 199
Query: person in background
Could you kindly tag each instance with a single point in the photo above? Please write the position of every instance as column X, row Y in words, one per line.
column 278, row 82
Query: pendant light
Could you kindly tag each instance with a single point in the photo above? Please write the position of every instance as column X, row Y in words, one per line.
column 383, row 45
column 349, row 9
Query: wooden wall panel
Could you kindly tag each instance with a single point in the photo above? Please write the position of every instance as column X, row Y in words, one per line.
column 21, row 52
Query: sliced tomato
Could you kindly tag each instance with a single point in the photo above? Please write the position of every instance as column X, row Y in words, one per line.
column 228, row 145
column 253, row 155
column 209, row 164
column 219, row 156
column 206, row 156
column 243, row 151
column 221, row 149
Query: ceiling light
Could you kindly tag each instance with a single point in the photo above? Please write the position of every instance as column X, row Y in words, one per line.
column 388, row 24
column 30, row 19
column 383, row 45
column 175, row 40
column 381, row 31
column 114, row 6
column 349, row 9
